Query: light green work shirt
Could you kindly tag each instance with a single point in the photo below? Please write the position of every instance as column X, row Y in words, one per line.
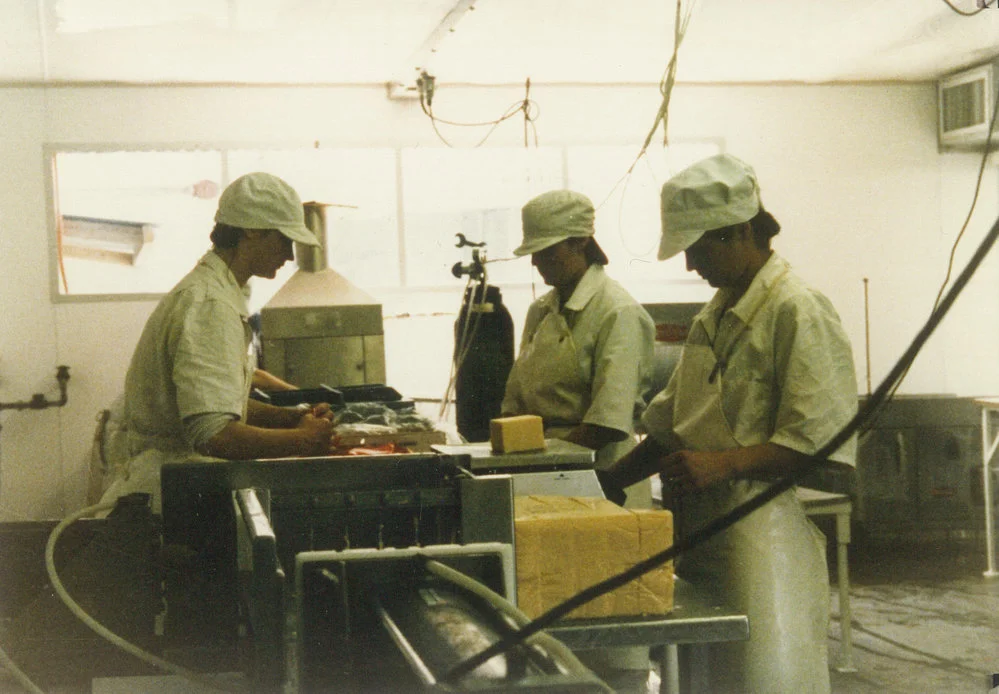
column 788, row 375
column 614, row 342
column 190, row 360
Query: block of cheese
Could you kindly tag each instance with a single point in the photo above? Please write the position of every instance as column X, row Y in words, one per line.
column 524, row 432
column 565, row 544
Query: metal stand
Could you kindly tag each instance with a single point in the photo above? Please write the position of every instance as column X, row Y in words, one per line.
column 817, row 503
column 698, row 618
column 989, row 444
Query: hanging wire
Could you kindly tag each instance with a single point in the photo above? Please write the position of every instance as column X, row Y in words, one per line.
column 964, row 13
column 953, row 252
column 528, row 107
column 475, row 300
column 681, row 22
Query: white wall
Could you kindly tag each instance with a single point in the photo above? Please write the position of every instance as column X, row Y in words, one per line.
column 852, row 173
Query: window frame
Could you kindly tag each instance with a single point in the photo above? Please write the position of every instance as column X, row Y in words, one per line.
column 52, row 149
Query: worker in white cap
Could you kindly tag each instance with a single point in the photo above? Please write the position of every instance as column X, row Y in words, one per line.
column 765, row 379
column 584, row 363
column 585, row 357
column 188, row 384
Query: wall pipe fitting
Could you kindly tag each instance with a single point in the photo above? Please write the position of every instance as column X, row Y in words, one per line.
column 38, row 400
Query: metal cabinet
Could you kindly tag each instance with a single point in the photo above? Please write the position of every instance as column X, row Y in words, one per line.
column 919, row 467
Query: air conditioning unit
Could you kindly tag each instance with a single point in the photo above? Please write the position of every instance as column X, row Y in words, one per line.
column 965, row 102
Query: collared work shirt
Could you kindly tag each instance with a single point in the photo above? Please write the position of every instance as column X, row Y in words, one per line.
column 614, row 339
column 787, row 372
column 190, row 360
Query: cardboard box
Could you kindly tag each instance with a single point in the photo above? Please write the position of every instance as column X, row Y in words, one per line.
column 565, row 544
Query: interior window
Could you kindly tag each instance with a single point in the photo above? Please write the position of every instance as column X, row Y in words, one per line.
column 628, row 217
column 132, row 223
column 474, row 192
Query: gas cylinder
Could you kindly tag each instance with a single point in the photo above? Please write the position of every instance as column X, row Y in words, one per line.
column 483, row 356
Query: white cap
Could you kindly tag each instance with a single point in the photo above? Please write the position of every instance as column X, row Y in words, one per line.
column 713, row 193
column 264, row 201
column 553, row 217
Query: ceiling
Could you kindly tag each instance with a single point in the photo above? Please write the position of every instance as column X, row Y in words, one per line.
column 487, row 41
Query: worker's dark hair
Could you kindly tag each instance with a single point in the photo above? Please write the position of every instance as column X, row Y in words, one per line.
column 225, row 236
column 594, row 253
column 765, row 227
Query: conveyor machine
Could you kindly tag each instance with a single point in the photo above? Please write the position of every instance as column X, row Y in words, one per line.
column 348, row 574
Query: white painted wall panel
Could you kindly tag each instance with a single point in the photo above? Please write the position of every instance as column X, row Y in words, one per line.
column 852, row 173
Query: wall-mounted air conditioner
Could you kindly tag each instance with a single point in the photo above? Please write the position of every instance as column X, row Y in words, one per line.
column 965, row 101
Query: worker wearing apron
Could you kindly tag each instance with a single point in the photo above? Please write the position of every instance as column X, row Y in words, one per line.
column 187, row 387
column 585, row 359
column 584, row 365
column 765, row 379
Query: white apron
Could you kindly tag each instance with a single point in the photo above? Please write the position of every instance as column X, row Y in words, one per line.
column 146, row 455
column 770, row 565
column 552, row 386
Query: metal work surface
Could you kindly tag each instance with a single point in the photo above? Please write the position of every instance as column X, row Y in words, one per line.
column 697, row 617
column 557, row 454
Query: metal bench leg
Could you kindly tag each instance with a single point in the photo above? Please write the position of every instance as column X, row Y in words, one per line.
column 843, row 573
column 669, row 670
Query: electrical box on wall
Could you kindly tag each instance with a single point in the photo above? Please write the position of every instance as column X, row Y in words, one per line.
column 966, row 102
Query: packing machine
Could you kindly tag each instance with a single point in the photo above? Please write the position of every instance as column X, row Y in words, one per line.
column 350, row 573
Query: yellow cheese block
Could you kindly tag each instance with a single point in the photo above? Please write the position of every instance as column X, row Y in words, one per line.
column 524, row 432
column 566, row 544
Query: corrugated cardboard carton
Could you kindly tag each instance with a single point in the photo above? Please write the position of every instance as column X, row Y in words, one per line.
column 565, row 544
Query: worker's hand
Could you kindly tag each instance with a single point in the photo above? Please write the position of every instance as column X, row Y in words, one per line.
column 323, row 410
column 316, row 435
column 613, row 491
column 687, row 471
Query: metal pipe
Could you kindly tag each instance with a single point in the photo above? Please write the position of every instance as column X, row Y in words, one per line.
column 988, row 451
column 38, row 401
column 313, row 258
column 867, row 336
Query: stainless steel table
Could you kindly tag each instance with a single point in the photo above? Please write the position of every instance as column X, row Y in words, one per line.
column 697, row 618
column 562, row 469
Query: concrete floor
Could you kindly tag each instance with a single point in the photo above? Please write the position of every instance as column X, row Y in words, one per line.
column 925, row 619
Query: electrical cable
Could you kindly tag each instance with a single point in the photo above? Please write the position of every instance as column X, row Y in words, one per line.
column 681, row 22
column 931, row 658
column 798, row 473
column 965, row 13
column 459, row 342
column 473, row 316
column 983, row 622
column 529, row 108
column 18, row 674
column 501, row 604
column 950, row 263
column 99, row 628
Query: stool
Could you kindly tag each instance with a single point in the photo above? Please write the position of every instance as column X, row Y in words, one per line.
column 816, row 503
